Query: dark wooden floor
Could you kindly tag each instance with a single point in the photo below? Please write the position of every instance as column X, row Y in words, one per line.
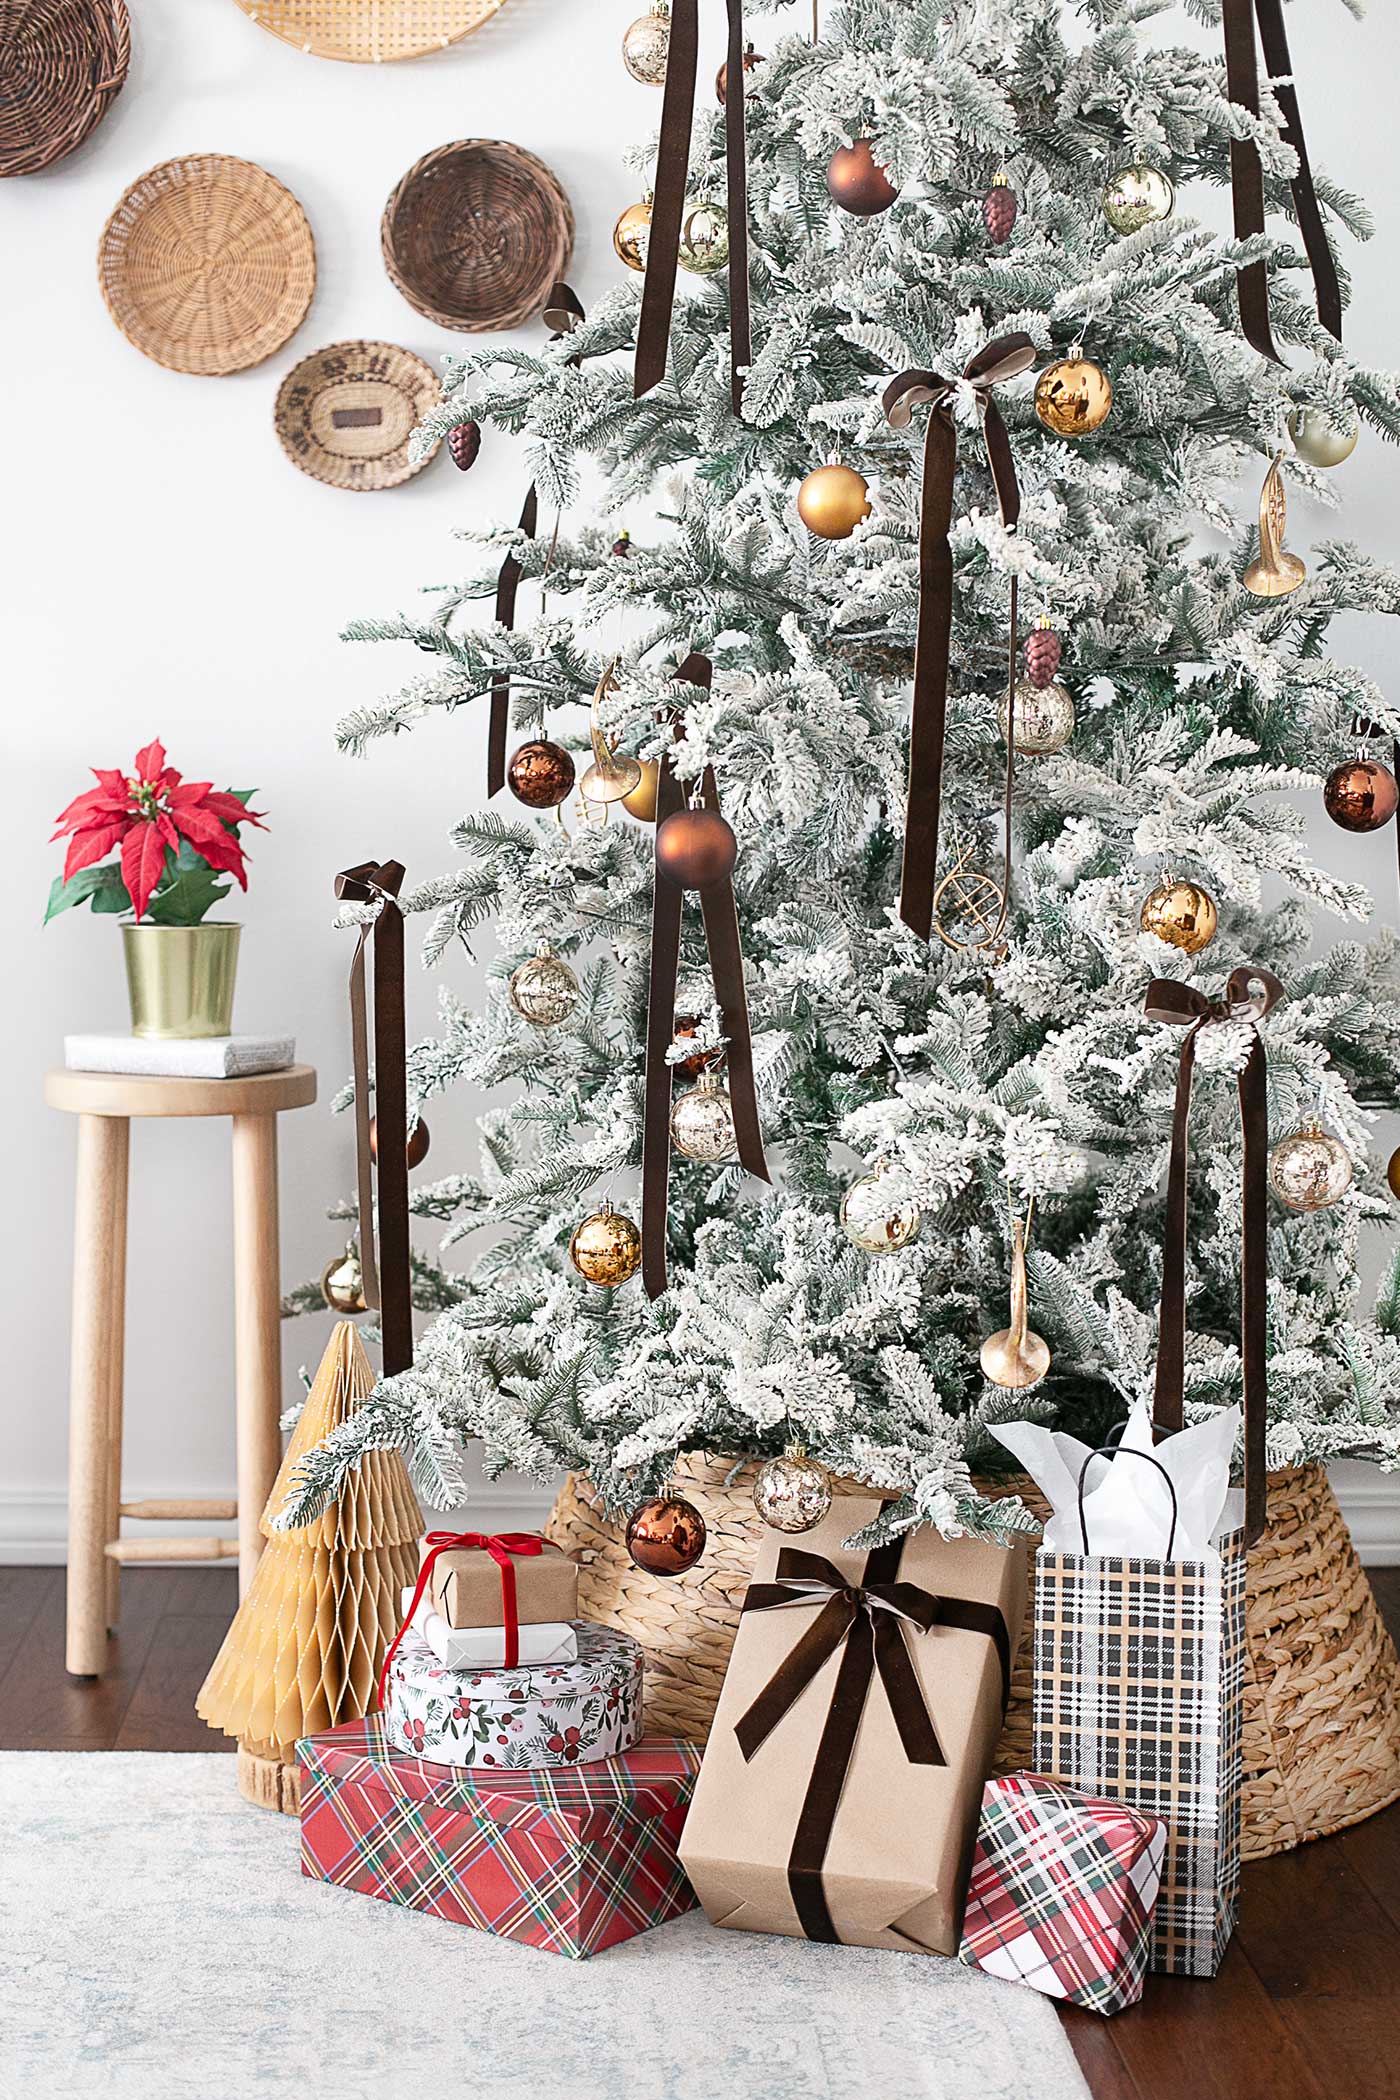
column 1306, row 2007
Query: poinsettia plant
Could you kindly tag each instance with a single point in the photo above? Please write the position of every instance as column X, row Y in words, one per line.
column 172, row 838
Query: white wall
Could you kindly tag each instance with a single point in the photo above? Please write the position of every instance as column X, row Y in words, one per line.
column 168, row 572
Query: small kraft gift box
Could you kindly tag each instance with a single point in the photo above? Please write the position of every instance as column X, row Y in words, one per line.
column 842, row 1778
column 572, row 1860
column 511, row 1579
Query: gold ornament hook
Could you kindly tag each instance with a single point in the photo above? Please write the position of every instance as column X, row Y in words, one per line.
column 1276, row 572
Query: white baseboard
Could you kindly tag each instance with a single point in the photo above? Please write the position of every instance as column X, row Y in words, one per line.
column 34, row 1521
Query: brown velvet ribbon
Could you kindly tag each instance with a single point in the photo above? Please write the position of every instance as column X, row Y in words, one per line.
column 668, row 201
column 866, row 1621
column 1247, row 174
column 1249, row 994
column 563, row 313
column 727, row 971
column 384, row 1255
column 1002, row 358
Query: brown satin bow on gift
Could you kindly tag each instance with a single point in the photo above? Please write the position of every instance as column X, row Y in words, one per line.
column 1002, row 358
column 867, row 1622
column 1249, row 994
column 384, row 1256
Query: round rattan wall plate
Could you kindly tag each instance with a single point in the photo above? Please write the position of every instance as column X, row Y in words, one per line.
column 207, row 264
column 370, row 32
column 62, row 63
column 346, row 413
column 475, row 234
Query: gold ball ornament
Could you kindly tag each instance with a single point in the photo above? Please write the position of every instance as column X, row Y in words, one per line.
column 631, row 235
column 645, row 44
column 1320, row 442
column 1137, row 196
column 832, row 501
column 1360, row 794
column 702, row 1122
column 641, row 801
column 792, row 1493
column 544, row 990
column 703, row 247
column 343, row 1283
column 1073, row 396
column 1310, row 1169
column 1044, row 717
column 857, row 182
column 1182, row 914
column 666, row 1536
column 606, row 1248
column 873, row 1219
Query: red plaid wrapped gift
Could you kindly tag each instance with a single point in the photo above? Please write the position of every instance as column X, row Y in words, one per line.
column 572, row 1859
column 1062, row 1891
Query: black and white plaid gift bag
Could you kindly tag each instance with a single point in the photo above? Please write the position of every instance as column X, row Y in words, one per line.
column 1139, row 1692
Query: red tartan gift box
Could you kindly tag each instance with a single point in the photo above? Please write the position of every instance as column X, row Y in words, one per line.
column 573, row 1858
column 1062, row 1890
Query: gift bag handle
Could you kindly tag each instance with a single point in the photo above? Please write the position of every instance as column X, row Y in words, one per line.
column 1117, row 1451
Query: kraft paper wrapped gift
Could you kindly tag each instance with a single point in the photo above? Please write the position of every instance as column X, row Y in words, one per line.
column 467, row 1584
column 840, row 1788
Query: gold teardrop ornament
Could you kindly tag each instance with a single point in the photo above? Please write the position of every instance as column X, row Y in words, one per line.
column 1277, row 572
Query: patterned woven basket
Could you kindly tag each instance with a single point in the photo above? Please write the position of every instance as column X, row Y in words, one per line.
column 345, row 414
column 207, row 264
column 475, row 234
column 1322, row 1688
column 62, row 63
column 370, row 32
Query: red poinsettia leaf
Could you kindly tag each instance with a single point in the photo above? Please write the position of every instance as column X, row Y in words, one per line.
column 150, row 760
column 186, row 791
column 143, row 859
column 231, row 811
column 209, row 839
column 112, row 778
column 86, row 808
column 90, row 844
column 167, row 831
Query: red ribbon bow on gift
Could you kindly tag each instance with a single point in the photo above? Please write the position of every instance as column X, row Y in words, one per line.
column 504, row 1547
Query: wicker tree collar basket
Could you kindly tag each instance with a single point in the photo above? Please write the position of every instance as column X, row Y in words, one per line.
column 370, row 32
column 475, row 234
column 62, row 64
column 345, row 414
column 207, row 264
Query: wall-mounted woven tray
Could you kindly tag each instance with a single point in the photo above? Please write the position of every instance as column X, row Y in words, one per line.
column 62, row 63
column 370, row 32
column 345, row 414
column 207, row 264
column 475, row 234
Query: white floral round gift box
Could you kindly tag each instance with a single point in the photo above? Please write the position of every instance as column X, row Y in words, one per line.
column 562, row 1713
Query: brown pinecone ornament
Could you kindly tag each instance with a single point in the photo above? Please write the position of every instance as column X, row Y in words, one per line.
column 623, row 543
column 1043, row 653
column 464, row 442
column 999, row 209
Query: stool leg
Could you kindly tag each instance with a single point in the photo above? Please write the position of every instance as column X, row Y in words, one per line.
column 116, row 1368
column 257, row 1328
column 101, row 1220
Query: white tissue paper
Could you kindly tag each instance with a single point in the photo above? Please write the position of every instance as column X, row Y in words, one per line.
column 484, row 1647
column 1127, row 1505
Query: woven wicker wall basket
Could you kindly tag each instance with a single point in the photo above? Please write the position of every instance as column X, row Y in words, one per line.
column 475, row 234
column 345, row 414
column 1322, row 1686
column 370, row 32
column 207, row 264
column 62, row 64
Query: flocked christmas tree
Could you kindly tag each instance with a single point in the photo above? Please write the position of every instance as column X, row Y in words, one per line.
column 1204, row 717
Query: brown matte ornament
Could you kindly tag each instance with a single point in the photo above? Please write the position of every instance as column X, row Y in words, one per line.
column 541, row 774
column 1392, row 1174
column 999, row 208
column 631, row 235
column 857, row 182
column 1043, row 651
column 666, row 1536
column 416, row 1150
column 1073, row 396
column 695, row 848
column 752, row 58
column 606, row 1248
column 832, row 501
column 1182, row 914
column 1360, row 794
column 343, row 1282
column 464, row 443
column 641, row 802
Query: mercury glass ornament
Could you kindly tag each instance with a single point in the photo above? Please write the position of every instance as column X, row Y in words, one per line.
column 1310, row 1169
column 1073, row 396
column 1320, row 442
column 1136, row 197
column 606, row 1248
column 645, row 44
column 1182, row 914
column 632, row 233
column 875, row 1220
column 666, row 1536
column 1360, row 794
column 702, row 1122
column 792, row 1493
column 1044, row 717
column 343, row 1283
column 544, row 990
column 703, row 247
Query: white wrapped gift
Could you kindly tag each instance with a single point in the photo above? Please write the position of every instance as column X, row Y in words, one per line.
column 539, row 1714
column 484, row 1647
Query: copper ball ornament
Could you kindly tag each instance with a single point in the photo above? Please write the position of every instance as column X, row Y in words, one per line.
column 1182, row 914
column 832, row 501
column 665, row 1536
column 632, row 234
column 606, row 1248
column 857, row 182
column 646, row 45
column 1137, row 196
column 686, row 1026
column 343, row 1283
column 752, row 58
column 695, row 847
column 1310, row 1169
column 416, row 1149
column 541, row 774
column 640, row 801
column 1360, row 794
column 999, row 208
column 1320, row 442
column 792, row 1493
column 1044, row 717
column 1073, row 396
column 544, row 990
column 875, row 1220
column 1392, row 1173
column 464, row 443
column 703, row 246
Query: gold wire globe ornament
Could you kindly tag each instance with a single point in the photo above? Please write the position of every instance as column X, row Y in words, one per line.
column 1016, row 1358
column 1319, row 440
column 606, row 1248
column 1310, row 1169
column 969, row 908
column 1276, row 572
column 1073, row 395
column 703, row 248
column 1180, row 913
column 792, row 1493
column 702, row 1122
column 1137, row 196
column 646, row 44
column 544, row 990
column 1044, row 720
column 632, row 234
column 874, row 1218
column 609, row 778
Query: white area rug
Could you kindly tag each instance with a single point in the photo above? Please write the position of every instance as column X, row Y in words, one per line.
column 158, row 1941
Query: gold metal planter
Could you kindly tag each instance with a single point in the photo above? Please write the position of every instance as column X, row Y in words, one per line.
column 181, row 979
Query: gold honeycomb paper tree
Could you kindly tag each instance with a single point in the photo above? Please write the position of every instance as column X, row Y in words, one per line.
column 305, row 1649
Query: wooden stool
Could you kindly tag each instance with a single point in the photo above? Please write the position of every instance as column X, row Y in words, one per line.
column 104, row 1103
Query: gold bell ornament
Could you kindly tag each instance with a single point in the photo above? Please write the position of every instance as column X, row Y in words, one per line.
column 1016, row 1358
column 609, row 778
column 632, row 233
column 1277, row 572
column 792, row 1493
column 703, row 247
column 1318, row 440
column 646, row 44
column 1137, row 196
column 1074, row 395
column 606, row 1248
column 1310, row 1169
column 544, row 990
column 875, row 1220
column 1180, row 913
column 343, row 1283
column 832, row 501
column 702, row 1122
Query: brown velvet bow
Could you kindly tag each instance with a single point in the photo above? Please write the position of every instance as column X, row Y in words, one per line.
column 1002, row 358
column 1247, row 174
column 384, row 1257
column 1249, row 995
column 866, row 1621
column 668, row 201
column 727, row 971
